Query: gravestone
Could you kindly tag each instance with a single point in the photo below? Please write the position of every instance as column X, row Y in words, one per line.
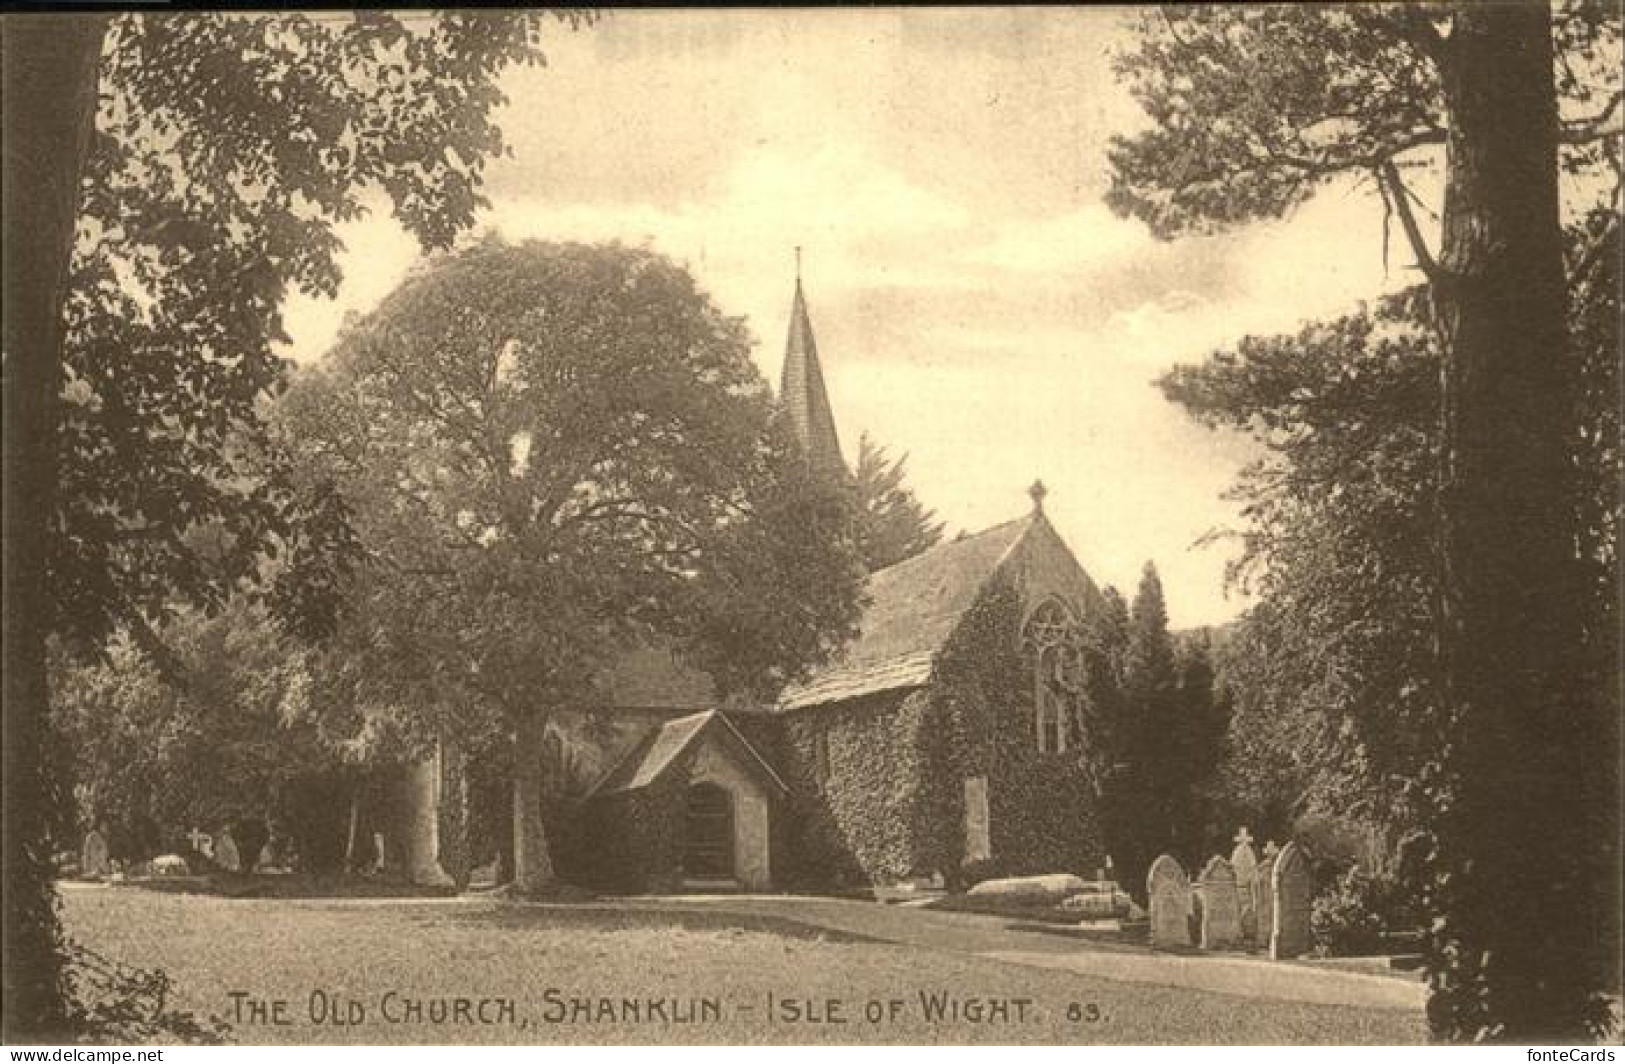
column 1291, row 889
column 1221, row 908
column 225, row 853
column 201, row 842
column 1034, row 890
column 93, row 855
column 170, row 864
column 1245, row 862
column 1263, row 911
column 1169, row 891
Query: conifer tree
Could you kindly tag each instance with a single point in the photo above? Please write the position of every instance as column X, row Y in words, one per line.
column 893, row 525
column 1140, row 809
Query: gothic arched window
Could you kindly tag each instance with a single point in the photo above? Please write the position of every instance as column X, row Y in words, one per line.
column 1051, row 639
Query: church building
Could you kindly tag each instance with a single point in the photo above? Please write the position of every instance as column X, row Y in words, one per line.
column 946, row 741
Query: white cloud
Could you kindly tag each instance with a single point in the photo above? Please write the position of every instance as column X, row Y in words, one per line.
column 976, row 305
column 1089, row 239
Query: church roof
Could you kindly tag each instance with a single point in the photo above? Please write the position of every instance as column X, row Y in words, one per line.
column 914, row 607
column 801, row 390
column 657, row 752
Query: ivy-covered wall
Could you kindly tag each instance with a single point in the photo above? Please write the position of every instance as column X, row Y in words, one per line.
column 1042, row 808
column 893, row 805
column 864, row 823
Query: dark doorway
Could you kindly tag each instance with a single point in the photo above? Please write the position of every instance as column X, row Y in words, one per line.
column 710, row 849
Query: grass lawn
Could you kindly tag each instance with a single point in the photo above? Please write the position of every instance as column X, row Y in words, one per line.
column 387, row 968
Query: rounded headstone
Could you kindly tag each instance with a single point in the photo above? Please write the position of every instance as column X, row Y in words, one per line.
column 1245, row 862
column 1168, row 889
column 1292, row 887
column 93, row 855
column 1263, row 910
column 225, row 853
column 1221, row 906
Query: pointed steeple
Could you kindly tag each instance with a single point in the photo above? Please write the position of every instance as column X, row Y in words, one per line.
column 801, row 390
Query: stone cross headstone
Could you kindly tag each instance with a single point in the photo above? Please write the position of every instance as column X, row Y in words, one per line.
column 93, row 855
column 1169, row 891
column 201, row 841
column 1291, row 887
column 1221, row 907
column 1245, row 862
column 225, row 853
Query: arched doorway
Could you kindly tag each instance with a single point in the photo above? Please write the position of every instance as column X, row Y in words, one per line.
column 709, row 849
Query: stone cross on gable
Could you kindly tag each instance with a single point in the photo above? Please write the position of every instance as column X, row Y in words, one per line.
column 1242, row 837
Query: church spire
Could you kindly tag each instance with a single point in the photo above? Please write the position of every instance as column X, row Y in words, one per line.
column 801, row 390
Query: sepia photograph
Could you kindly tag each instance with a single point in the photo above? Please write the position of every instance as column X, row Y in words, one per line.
column 879, row 526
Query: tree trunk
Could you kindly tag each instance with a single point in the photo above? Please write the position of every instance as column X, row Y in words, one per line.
column 48, row 70
column 533, row 868
column 504, row 832
column 1514, row 958
column 350, row 833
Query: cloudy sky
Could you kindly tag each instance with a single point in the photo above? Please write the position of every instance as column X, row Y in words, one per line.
column 976, row 305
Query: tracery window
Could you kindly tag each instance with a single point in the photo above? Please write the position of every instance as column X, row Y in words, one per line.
column 1052, row 641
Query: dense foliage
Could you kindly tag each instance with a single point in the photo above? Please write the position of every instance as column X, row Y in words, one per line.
column 1043, row 807
column 552, row 452
column 227, row 147
column 880, row 753
column 1252, row 110
column 1336, row 706
column 1332, row 672
column 893, row 525
column 1350, row 918
column 168, row 179
column 229, row 735
column 1255, row 108
column 114, row 1004
column 1163, row 739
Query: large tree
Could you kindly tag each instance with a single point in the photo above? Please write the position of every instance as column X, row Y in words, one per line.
column 552, row 452
column 1252, row 110
column 167, row 179
column 1333, row 671
column 1141, row 807
column 1337, row 705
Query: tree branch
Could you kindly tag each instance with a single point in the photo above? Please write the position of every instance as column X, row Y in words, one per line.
column 1586, row 130
column 1388, row 175
column 1416, row 28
